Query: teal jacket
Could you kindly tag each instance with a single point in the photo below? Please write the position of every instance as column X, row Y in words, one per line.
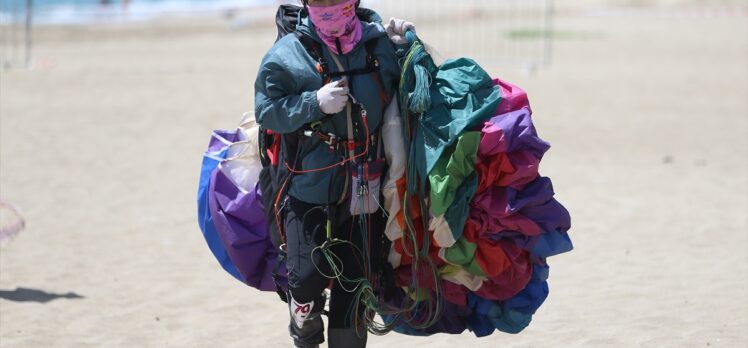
column 286, row 100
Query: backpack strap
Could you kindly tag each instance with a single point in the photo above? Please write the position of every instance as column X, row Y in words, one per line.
column 373, row 62
column 315, row 51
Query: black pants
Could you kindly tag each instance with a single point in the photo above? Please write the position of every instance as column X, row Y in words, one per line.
column 305, row 227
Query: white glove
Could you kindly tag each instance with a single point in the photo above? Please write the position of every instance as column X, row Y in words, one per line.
column 396, row 29
column 332, row 98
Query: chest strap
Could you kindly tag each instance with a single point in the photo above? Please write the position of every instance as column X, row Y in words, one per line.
column 314, row 49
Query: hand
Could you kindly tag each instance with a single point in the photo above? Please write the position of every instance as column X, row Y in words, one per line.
column 396, row 29
column 333, row 97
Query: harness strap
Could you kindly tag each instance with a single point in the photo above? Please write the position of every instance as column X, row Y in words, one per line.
column 335, row 141
column 278, row 260
column 361, row 71
column 349, row 126
column 372, row 64
column 348, row 110
column 314, row 51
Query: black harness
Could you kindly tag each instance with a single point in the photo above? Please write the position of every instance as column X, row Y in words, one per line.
column 277, row 177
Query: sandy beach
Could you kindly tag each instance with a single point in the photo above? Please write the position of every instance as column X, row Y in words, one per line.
column 646, row 108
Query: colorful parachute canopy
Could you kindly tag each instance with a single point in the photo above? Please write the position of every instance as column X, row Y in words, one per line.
column 473, row 164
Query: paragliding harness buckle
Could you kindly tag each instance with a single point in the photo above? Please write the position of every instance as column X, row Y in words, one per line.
column 339, row 143
column 329, row 209
column 328, row 138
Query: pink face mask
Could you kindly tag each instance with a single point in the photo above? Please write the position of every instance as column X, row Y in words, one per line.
column 337, row 22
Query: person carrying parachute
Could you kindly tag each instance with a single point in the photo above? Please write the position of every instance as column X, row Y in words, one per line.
column 410, row 188
column 320, row 97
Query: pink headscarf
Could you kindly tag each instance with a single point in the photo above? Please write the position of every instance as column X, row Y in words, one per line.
column 337, row 22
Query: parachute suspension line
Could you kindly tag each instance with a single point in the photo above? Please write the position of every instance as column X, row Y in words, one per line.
column 362, row 288
column 365, row 296
column 419, row 308
column 415, row 80
column 420, row 98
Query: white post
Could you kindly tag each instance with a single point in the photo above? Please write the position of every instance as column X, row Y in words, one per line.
column 29, row 17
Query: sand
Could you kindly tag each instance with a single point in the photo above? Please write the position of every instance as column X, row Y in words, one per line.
column 101, row 143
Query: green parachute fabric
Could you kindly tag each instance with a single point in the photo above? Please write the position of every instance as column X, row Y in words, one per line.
column 449, row 227
column 463, row 96
column 450, row 171
column 463, row 254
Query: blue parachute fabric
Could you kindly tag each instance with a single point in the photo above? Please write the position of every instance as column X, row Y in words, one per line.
column 510, row 321
column 552, row 243
column 480, row 325
column 216, row 152
column 533, row 295
column 503, row 319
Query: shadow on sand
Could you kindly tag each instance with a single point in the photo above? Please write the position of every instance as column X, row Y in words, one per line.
column 33, row 295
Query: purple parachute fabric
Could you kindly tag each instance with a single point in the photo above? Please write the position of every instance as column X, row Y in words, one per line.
column 240, row 221
column 510, row 150
column 510, row 132
column 493, row 213
column 537, row 204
